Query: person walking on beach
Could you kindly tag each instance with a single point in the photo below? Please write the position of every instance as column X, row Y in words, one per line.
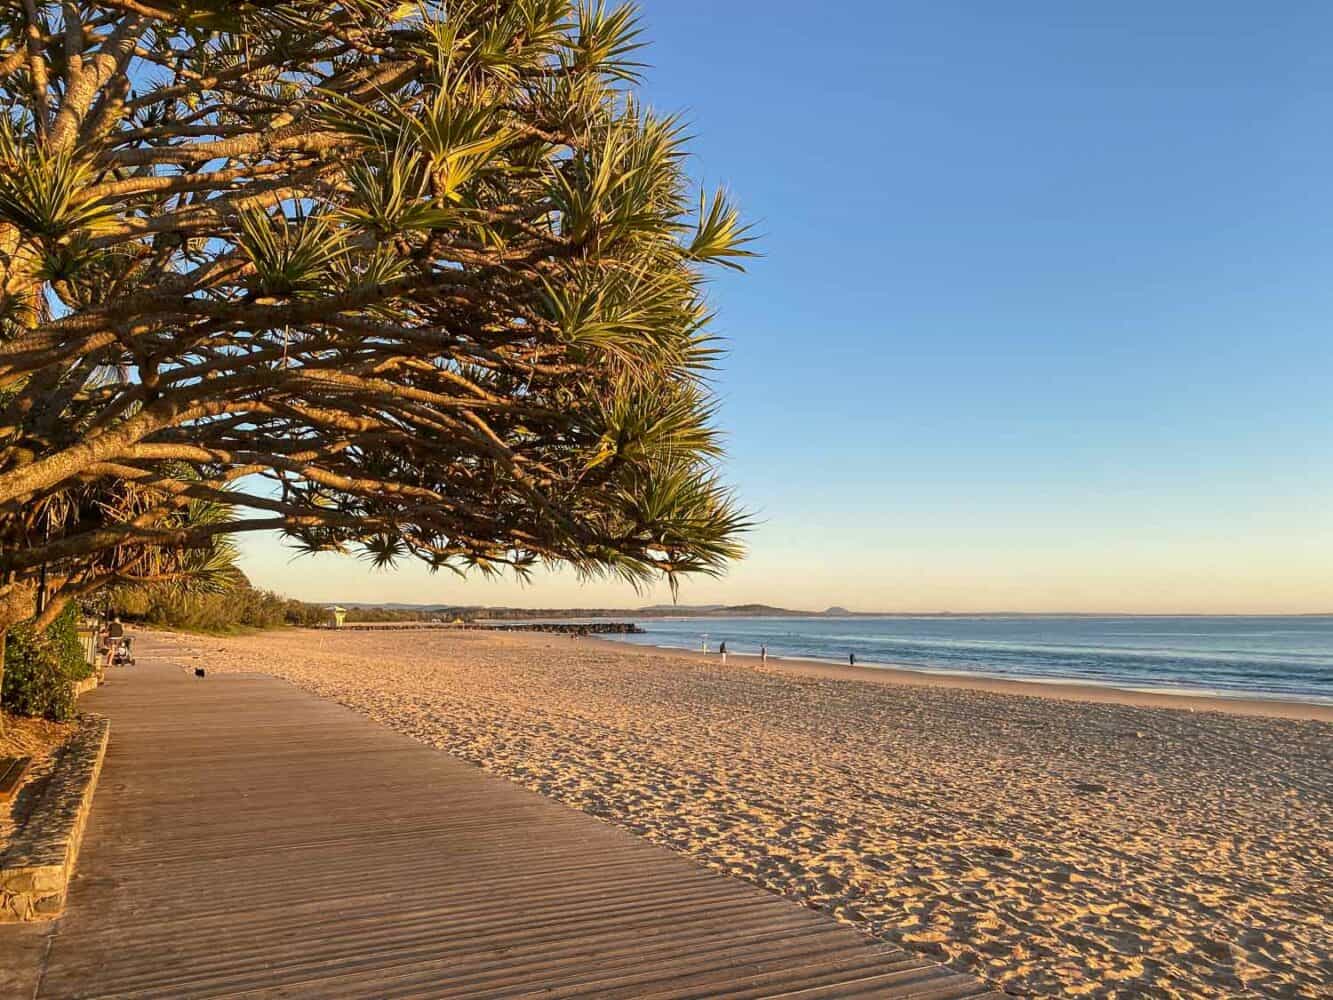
column 851, row 659
column 763, row 654
column 723, row 650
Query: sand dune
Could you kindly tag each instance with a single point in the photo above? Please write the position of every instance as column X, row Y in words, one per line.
column 1057, row 848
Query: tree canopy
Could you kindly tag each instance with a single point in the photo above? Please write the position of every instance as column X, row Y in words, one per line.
column 407, row 279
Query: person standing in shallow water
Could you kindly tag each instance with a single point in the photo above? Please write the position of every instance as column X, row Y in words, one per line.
column 723, row 650
column 851, row 659
column 763, row 654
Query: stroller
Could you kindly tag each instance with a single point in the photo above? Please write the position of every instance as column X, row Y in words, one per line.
column 122, row 652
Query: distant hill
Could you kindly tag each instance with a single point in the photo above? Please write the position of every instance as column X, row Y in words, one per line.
column 680, row 609
column 754, row 611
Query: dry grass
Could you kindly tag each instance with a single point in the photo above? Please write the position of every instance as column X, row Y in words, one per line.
column 20, row 737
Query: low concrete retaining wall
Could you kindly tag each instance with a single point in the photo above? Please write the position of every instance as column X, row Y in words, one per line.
column 36, row 868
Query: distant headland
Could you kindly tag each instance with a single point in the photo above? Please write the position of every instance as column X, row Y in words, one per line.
column 395, row 611
column 400, row 612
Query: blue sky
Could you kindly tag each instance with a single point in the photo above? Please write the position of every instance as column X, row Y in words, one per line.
column 1042, row 318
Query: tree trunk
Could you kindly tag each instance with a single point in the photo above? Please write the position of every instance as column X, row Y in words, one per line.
column 18, row 603
column 51, row 612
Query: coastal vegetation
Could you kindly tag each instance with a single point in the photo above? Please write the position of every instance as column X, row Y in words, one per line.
column 402, row 280
column 239, row 608
column 42, row 666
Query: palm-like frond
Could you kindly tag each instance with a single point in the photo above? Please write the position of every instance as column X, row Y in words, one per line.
column 691, row 521
column 604, row 40
column 643, row 319
column 43, row 193
column 17, row 313
column 719, row 236
column 460, row 134
column 617, row 186
column 290, row 257
column 362, row 271
column 383, row 551
column 640, row 425
column 390, row 194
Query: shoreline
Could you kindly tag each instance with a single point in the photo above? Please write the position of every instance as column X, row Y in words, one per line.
column 1071, row 690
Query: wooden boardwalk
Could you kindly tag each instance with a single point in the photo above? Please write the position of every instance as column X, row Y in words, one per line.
column 251, row 840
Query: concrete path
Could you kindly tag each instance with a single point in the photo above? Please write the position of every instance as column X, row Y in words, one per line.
column 252, row 840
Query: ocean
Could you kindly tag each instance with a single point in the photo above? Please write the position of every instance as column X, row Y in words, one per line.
column 1289, row 658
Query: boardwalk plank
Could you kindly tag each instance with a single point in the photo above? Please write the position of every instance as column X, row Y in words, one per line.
column 251, row 840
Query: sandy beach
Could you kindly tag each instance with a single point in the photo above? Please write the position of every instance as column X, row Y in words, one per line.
column 1057, row 842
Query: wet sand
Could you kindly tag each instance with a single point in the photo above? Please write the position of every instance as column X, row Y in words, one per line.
column 1275, row 708
column 1058, row 847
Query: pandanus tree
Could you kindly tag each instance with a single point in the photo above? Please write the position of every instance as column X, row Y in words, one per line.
column 412, row 280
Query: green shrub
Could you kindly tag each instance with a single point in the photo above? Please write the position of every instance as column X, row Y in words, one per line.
column 305, row 615
column 360, row 614
column 37, row 681
column 64, row 636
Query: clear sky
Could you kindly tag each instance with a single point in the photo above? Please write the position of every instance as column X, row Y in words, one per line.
column 1042, row 322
